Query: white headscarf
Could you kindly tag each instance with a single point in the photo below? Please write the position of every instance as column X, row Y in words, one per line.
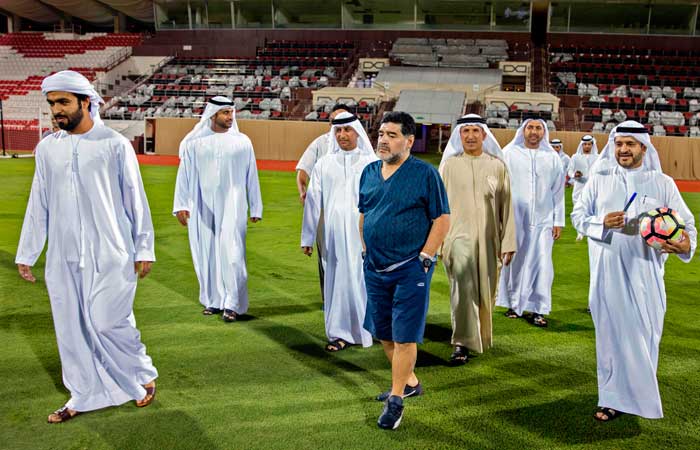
column 519, row 139
column 344, row 119
column 587, row 138
column 214, row 105
column 634, row 129
column 454, row 145
column 75, row 83
column 556, row 141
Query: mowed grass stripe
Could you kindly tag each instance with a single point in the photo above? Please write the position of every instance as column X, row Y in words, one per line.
column 266, row 383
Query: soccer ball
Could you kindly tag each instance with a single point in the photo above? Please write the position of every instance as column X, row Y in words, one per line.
column 659, row 225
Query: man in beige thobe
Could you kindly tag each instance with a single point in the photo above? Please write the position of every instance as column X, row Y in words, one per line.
column 482, row 232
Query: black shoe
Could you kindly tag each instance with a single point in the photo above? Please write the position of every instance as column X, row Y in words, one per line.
column 229, row 315
column 211, row 311
column 392, row 414
column 460, row 356
column 408, row 391
column 538, row 320
column 511, row 314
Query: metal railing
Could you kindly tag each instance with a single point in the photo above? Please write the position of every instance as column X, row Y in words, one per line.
column 141, row 80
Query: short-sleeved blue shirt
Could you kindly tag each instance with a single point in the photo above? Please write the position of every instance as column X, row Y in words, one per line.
column 399, row 211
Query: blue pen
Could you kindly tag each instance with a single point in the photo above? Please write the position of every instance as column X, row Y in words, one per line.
column 629, row 202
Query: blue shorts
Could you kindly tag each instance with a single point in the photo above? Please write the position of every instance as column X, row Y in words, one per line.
column 397, row 302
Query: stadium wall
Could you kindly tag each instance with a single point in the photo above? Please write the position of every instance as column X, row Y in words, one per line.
column 272, row 139
column 680, row 156
column 243, row 43
column 287, row 140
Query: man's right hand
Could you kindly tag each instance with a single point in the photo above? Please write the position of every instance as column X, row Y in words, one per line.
column 615, row 220
column 26, row 272
column 302, row 197
column 308, row 251
column 182, row 217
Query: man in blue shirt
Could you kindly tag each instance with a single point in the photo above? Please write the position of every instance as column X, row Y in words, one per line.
column 404, row 217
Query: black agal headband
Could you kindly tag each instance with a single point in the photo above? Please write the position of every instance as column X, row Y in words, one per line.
column 221, row 103
column 631, row 130
column 345, row 120
column 466, row 120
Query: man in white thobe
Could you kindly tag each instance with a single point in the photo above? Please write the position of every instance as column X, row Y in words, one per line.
column 482, row 232
column 88, row 198
column 318, row 148
column 537, row 189
column 627, row 295
column 580, row 167
column 333, row 193
column 565, row 159
column 217, row 185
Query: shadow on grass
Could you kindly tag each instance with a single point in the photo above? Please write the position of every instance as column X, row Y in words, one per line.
column 130, row 428
column 309, row 352
column 570, row 421
column 38, row 331
column 7, row 260
column 537, row 370
column 426, row 359
column 285, row 310
column 437, row 333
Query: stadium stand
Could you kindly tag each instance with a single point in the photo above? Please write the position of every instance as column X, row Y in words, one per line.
column 658, row 87
column 460, row 53
column 26, row 58
column 267, row 86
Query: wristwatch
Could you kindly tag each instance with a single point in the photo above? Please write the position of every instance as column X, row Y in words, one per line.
column 426, row 260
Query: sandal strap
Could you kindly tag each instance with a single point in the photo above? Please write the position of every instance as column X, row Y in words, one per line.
column 64, row 413
column 609, row 413
column 336, row 345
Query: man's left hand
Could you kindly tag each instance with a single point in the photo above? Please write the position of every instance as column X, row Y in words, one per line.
column 506, row 258
column 143, row 268
column 680, row 246
column 556, row 232
column 255, row 219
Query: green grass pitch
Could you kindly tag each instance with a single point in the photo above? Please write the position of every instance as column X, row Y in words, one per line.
column 266, row 383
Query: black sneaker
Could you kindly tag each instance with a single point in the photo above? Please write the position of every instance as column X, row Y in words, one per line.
column 408, row 391
column 392, row 414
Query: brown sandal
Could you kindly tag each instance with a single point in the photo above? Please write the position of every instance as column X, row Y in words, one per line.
column 150, row 390
column 62, row 415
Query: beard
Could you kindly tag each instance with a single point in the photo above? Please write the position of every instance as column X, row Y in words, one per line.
column 74, row 120
column 635, row 160
column 223, row 123
column 392, row 158
column 533, row 140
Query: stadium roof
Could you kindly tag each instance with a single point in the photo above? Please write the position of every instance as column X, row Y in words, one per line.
column 93, row 11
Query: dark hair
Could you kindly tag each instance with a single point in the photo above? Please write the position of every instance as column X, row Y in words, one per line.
column 338, row 106
column 408, row 125
column 82, row 98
